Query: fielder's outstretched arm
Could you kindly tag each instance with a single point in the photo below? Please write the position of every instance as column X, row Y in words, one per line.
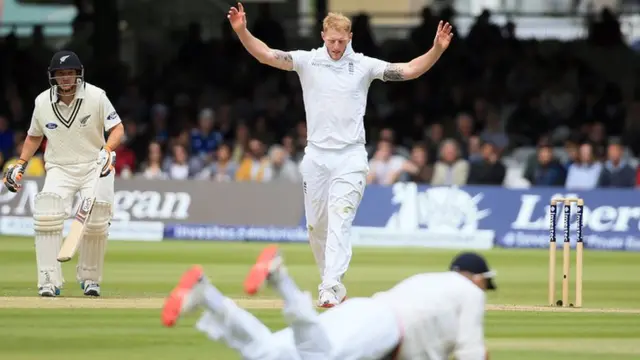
column 414, row 68
column 262, row 52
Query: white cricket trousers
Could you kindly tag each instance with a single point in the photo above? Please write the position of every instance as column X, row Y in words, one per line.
column 358, row 329
column 333, row 185
column 67, row 180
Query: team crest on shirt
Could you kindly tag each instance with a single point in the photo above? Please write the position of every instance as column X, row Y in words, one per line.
column 84, row 121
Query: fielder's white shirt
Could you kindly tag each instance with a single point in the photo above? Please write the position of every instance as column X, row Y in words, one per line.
column 441, row 314
column 76, row 132
column 335, row 94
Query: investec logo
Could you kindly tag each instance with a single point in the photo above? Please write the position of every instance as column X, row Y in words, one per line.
column 532, row 216
column 128, row 204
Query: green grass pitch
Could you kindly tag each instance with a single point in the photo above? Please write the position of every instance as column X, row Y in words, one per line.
column 125, row 323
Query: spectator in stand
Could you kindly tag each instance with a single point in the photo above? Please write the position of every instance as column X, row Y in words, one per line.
column 205, row 139
column 152, row 167
column 464, row 130
column 617, row 172
column 417, row 168
column 584, row 174
column 451, row 169
column 135, row 140
column 494, row 132
column 475, row 153
column 597, row 137
column 241, row 143
column 294, row 153
column 488, row 171
column 571, row 147
column 388, row 135
column 261, row 130
column 435, row 136
column 284, row 169
column 385, row 168
column 223, row 169
column 255, row 166
column 159, row 131
column 178, row 167
column 125, row 165
column 545, row 170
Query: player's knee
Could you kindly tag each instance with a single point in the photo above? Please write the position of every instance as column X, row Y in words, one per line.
column 100, row 218
column 344, row 206
column 48, row 212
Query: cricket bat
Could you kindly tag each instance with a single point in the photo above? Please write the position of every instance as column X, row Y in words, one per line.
column 78, row 226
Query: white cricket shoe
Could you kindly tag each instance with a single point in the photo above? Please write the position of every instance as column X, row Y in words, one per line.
column 91, row 288
column 329, row 298
column 48, row 290
column 185, row 297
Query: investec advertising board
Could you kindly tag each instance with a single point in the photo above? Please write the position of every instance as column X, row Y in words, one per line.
column 148, row 210
column 403, row 215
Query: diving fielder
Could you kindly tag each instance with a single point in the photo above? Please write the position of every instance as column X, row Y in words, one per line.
column 428, row 316
column 74, row 116
column 335, row 81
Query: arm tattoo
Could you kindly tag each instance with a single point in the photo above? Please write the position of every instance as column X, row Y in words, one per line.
column 393, row 72
column 282, row 56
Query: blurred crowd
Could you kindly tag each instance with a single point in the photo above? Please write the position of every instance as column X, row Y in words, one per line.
column 214, row 113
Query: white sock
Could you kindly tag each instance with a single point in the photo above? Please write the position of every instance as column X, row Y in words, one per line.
column 213, row 299
column 285, row 286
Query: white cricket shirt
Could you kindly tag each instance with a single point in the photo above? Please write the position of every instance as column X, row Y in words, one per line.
column 76, row 132
column 441, row 314
column 335, row 94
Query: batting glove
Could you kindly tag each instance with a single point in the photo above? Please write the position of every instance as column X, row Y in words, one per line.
column 13, row 175
column 106, row 159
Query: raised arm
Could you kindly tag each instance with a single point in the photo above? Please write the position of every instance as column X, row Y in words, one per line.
column 276, row 58
column 256, row 47
column 420, row 65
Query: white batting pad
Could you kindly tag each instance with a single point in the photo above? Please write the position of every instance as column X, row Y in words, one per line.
column 48, row 222
column 94, row 244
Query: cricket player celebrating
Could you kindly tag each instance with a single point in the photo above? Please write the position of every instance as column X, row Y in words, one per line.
column 74, row 116
column 428, row 316
column 335, row 82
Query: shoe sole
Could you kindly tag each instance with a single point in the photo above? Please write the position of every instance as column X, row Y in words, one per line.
column 92, row 293
column 260, row 271
column 173, row 303
column 50, row 294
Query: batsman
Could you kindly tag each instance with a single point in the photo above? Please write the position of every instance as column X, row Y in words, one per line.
column 75, row 117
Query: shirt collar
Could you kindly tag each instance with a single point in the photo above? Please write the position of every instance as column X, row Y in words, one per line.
column 611, row 167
